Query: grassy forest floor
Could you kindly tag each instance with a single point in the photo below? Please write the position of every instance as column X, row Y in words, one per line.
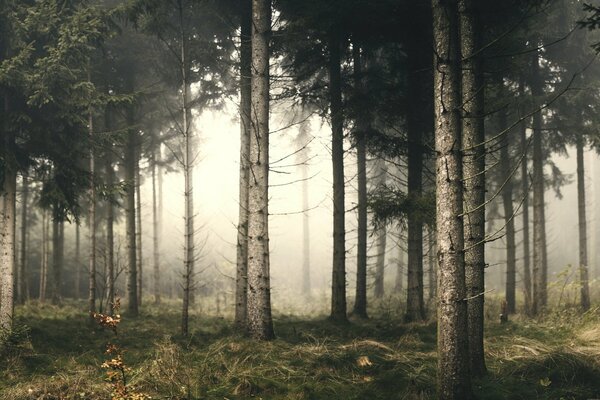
column 59, row 356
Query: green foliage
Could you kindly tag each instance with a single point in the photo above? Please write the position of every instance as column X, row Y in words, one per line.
column 390, row 204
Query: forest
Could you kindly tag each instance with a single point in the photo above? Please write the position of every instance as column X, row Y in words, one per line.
column 299, row 199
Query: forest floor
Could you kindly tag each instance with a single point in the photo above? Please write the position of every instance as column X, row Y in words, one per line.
column 59, row 356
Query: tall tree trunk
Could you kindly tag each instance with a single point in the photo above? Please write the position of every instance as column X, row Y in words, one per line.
column 304, row 134
column 138, row 216
column 474, row 180
column 360, row 302
column 77, row 261
column 241, row 279
column 56, row 282
column 129, row 164
column 44, row 258
column 583, row 255
column 338, row 281
column 453, row 357
column 92, row 223
column 399, row 285
column 415, row 306
column 525, row 194
column 23, row 288
column 188, row 168
column 156, row 158
column 110, row 241
column 7, row 233
column 378, row 287
column 507, row 202
column 539, row 228
column 260, row 323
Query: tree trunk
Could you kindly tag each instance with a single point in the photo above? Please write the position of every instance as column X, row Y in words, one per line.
column 525, row 194
column 539, row 228
column 188, row 168
column 77, row 261
column 338, row 281
column 57, row 255
column 23, row 288
column 507, row 202
column 378, row 287
column 44, row 258
column 7, row 236
column 156, row 158
column 260, row 323
column 110, row 241
column 474, row 180
column 453, row 358
column 241, row 279
column 92, row 223
column 399, row 285
column 130, row 161
column 583, row 256
column 360, row 302
column 138, row 216
column 415, row 306
column 304, row 134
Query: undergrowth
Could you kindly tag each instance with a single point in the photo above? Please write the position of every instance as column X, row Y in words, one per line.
column 554, row 357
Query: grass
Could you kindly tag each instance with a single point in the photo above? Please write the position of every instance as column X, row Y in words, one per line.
column 557, row 357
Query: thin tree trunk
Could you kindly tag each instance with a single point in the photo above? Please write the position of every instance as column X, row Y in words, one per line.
column 138, row 215
column 56, row 283
column 92, row 223
column 360, row 303
column 7, row 236
column 509, row 221
column 23, row 281
column 156, row 158
column 539, row 228
column 525, row 206
column 378, row 287
column 110, row 241
column 338, row 281
column 399, row 285
column 474, row 180
column 453, row 357
column 304, row 133
column 188, row 167
column 44, row 258
column 583, row 255
column 77, row 261
column 130, row 161
column 260, row 323
column 241, row 280
column 415, row 306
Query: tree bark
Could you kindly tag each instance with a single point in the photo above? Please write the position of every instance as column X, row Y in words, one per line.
column 188, row 169
column 260, row 323
column 44, row 258
column 130, row 161
column 57, row 258
column 399, row 285
column 304, row 135
column 474, row 180
column 110, row 241
column 378, row 287
column 241, row 280
column 92, row 224
column 453, row 359
column 338, row 281
column 156, row 158
column 77, row 261
column 23, row 281
column 415, row 305
column 360, row 302
column 7, row 234
column 539, row 228
column 525, row 194
column 583, row 255
column 138, row 216
column 507, row 202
